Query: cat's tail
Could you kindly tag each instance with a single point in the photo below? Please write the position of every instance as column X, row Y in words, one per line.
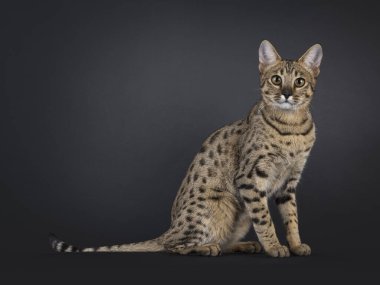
column 153, row 245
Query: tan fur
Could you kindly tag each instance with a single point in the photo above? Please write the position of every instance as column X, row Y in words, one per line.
column 240, row 166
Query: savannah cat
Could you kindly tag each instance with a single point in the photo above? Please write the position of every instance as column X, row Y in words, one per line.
column 240, row 166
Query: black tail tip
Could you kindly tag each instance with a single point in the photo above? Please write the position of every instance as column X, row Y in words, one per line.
column 54, row 241
column 61, row 246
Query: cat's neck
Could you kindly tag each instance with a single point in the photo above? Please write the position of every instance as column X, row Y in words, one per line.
column 290, row 117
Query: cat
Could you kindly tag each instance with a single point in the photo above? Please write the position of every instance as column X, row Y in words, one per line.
column 239, row 167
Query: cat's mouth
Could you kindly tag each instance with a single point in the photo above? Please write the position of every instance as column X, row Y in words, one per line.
column 286, row 105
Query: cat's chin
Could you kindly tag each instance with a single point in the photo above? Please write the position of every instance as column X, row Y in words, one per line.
column 285, row 106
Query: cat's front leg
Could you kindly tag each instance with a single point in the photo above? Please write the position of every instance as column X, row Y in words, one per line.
column 287, row 205
column 252, row 182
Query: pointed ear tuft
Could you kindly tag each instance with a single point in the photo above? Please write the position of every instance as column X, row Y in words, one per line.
column 312, row 58
column 267, row 54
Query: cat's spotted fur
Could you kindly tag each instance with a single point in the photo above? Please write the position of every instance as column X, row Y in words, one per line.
column 240, row 166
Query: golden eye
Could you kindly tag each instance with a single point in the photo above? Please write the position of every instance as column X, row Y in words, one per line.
column 276, row 80
column 299, row 82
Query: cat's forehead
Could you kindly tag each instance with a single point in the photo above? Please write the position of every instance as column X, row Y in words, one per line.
column 290, row 67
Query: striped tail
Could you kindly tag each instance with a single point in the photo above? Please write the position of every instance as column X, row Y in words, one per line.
column 153, row 245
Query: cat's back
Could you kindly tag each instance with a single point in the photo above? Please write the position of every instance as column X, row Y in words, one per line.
column 213, row 167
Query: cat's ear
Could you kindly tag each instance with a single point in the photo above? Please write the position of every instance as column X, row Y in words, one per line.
column 267, row 55
column 312, row 58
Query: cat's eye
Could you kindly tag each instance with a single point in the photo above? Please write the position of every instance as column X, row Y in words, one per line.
column 299, row 82
column 276, row 80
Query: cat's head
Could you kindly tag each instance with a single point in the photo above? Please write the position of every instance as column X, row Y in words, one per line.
column 288, row 84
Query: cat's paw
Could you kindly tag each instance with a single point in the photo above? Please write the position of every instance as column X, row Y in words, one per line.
column 246, row 247
column 278, row 251
column 302, row 249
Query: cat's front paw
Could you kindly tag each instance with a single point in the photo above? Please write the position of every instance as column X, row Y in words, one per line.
column 278, row 251
column 302, row 249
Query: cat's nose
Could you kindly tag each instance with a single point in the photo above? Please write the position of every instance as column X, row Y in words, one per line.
column 287, row 93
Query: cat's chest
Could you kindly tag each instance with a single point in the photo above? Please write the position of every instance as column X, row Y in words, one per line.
column 289, row 154
column 286, row 151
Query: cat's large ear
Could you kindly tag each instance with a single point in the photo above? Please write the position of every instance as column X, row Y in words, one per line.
column 312, row 58
column 267, row 55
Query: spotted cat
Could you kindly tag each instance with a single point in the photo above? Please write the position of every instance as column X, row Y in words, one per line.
column 240, row 166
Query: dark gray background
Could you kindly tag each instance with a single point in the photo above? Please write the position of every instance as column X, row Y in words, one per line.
column 104, row 104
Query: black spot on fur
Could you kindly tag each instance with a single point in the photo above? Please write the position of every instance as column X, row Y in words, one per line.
column 262, row 193
column 215, row 198
column 246, row 186
column 214, row 136
column 218, row 190
column 219, row 149
column 261, row 173
column 283, row 199
column 291, row 190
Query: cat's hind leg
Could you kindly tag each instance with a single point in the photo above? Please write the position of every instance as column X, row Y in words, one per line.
column 244, row 247
column 240, row 230
column 211, row 249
